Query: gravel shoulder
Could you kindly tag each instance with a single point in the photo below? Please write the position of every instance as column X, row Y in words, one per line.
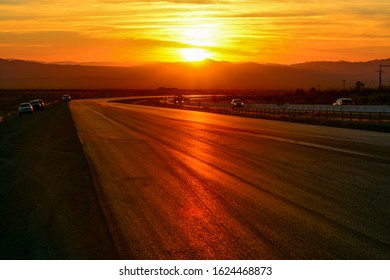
column 48, row 204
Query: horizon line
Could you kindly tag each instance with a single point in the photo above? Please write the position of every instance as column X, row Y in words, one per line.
column 124, row 64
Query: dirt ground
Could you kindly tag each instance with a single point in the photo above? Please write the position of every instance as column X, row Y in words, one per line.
column 48, row 205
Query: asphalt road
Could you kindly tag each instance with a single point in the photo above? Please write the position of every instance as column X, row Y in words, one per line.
column 176, row 184
column 48, row 203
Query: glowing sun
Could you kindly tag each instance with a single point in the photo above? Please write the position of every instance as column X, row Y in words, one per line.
column 195, row 54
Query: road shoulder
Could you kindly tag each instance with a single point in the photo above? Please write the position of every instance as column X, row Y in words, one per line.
column 48, row 205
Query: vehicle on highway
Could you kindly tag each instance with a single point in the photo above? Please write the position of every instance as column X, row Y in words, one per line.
column 37, row 105
column 43, row 105
column 237, row 103
column 344, row 101
column 25, row 107
column 66, row 97
column 178, row 100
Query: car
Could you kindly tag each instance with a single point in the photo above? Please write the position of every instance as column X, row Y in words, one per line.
column 43, row 105
column 344, row 101
column 37, row 105
column 25, row 107
column 237, row 103
column 66, row 97
column 178, row 100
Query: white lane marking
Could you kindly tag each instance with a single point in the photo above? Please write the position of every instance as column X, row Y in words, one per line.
column 313, row 145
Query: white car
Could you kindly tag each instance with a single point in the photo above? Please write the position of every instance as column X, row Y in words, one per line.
column 344, row 101
column 237, row 103
column 37, row 105
column 25, row 107
column 66, row 97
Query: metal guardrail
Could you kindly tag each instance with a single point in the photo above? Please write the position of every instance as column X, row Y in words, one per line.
column 375, row 115
column 345, row 108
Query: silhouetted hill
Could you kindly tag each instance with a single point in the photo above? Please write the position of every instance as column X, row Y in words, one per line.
column 209, row 74
column 333, row 73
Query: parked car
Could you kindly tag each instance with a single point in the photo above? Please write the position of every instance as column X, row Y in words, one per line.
column 344, row 101
column 237, row 103
column 43, row 105
column 66, row 97
column 25, row 107
column 37, row 105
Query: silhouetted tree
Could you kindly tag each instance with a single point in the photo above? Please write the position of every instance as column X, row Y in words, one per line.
column 359, row 85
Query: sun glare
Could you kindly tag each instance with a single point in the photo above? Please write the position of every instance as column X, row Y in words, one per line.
column 195, row 54
column 200, row 36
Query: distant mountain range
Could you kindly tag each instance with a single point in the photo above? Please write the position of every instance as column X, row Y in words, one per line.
column 208, row 74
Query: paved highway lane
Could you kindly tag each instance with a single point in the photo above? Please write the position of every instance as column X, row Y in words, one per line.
column 178, row 184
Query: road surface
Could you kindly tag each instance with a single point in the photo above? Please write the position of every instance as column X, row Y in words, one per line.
column 177, row 184
column 48, row 203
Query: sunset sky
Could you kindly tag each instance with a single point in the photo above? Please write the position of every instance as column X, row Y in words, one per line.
column 134, row 32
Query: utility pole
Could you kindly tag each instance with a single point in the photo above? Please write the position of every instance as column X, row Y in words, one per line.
column 380, row 74
column 344, row 83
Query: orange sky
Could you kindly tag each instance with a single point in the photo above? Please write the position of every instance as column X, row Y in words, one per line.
column 283, row 31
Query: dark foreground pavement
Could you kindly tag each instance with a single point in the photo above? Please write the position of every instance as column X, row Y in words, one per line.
column 48, row 205
column 179, row 184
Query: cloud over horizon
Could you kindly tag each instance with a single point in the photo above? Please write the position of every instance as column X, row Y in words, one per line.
column 143, row 31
